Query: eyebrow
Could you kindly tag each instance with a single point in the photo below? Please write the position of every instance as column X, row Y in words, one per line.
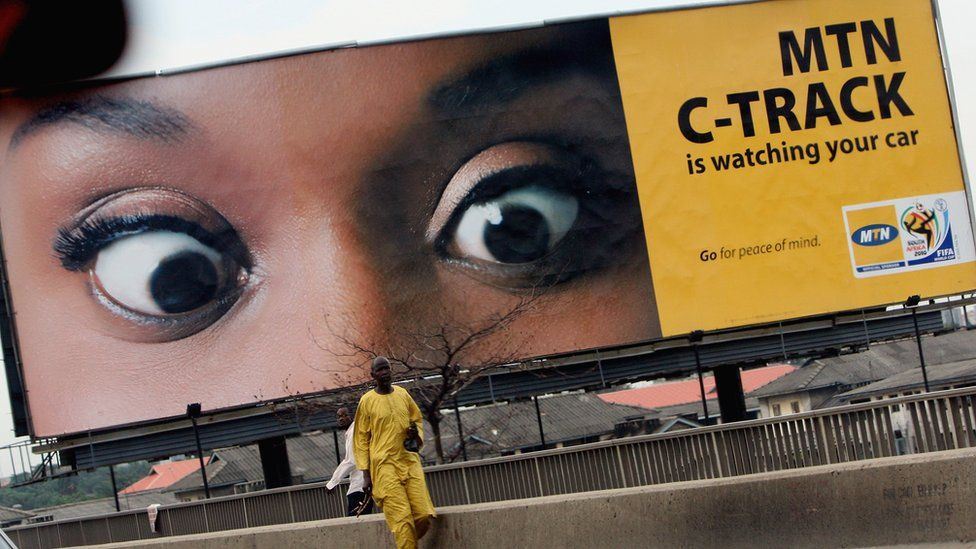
column 111, row 115
column 501, row 81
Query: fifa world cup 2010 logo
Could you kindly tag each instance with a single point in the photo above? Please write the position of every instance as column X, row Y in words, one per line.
column 922, row 223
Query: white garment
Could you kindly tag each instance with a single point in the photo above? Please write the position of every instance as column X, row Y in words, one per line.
column 348, row 467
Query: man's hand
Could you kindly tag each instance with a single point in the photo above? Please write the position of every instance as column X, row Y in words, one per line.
column 414, row 433
column 367, row 482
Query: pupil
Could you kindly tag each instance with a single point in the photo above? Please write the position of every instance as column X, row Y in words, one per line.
column 521, row 236
column 183, row 282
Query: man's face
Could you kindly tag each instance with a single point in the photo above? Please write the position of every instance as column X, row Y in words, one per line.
column 382, row 373
column 342, row 418
column 175, row 226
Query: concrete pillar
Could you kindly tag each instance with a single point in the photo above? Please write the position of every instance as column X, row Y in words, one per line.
column 731, row 398
column 274, row 462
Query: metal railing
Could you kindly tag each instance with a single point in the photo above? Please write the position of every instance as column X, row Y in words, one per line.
column 931, row 422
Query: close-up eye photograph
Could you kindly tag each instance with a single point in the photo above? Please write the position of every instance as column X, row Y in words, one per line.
column 518, row 274
column 177, row 226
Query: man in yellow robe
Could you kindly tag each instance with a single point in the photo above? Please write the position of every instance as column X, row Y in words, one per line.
column 384, row 420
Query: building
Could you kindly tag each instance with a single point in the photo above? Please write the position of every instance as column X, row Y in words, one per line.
column 818, row 383
column 683, row 398
column 513, row 427
column 237, row 469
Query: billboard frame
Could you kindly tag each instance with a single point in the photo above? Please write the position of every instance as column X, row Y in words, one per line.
column 14, row 367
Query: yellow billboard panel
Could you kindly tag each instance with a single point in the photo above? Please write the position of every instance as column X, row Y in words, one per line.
column 792, row 158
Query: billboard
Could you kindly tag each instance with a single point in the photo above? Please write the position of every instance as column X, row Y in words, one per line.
column 793, row 158
column 234, row 235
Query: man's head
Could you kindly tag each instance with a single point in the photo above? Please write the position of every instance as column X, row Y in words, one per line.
column 343, row 418
column 381, row 372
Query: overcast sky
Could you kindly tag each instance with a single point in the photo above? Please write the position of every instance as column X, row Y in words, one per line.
column 958, row 19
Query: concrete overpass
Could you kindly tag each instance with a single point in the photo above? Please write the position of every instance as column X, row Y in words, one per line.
column 929, row 498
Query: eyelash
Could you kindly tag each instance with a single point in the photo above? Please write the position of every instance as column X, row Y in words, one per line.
column 76, row 247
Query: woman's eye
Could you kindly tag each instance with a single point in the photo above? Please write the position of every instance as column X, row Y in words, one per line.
column 521, row 214
column 168, row 273
column 163, row 273
column 520, row 226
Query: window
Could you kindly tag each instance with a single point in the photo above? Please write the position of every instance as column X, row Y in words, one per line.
column 795, row 406
column 776, row 410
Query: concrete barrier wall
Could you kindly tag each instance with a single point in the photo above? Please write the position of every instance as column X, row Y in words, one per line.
column 889, row 501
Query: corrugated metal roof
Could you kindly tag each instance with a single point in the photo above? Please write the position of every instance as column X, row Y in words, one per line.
column 104, row 506
column 879, row 362
column 941, row 376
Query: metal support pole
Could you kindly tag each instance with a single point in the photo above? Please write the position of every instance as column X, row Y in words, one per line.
column 115, row 488
column 335, row 440
column 921, row 355
column 538, row 417
column 203, row 466
column 701, row 381
column 457, row 417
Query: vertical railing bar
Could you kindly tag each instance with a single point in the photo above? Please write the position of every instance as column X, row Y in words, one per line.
column 810, row 449
column 720, row 461
column 797, row 429
column 921, row 444
column 808, row 442
column 957, row 428
column 538, row 476
column 947, row 439
column 666, row 455
column 772, row 455
column 788, row 451
column 883, row 436
column 830, row 447
column 850, row 431
column 889, row 425
column 872, row 429
column 718, row 455
column 818, row 437
column 748, row 451
column 968, row 409
column 291, row 507
column 933, row 422
column 927, row 418
column 691, row 457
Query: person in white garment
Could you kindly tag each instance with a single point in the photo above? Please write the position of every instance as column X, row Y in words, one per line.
column 355, row 494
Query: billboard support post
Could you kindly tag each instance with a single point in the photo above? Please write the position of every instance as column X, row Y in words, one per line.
column 335, row 440
column 912, row 302
column 694, row 338
column 115, row 488
column 538, row 418
column 457, row 417
column 193, row 411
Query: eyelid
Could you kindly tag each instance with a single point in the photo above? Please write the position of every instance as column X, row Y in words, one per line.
column 146, row 206
column 489, row 162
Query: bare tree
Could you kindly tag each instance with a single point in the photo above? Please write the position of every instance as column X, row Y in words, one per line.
column 441, row 359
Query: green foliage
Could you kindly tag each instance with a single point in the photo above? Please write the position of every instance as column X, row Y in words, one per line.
column 81, row 487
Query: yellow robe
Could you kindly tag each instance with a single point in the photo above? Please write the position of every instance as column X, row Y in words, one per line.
column 398, row 478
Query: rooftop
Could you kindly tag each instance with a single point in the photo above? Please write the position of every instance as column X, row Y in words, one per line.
column 941, row 376
column 879, row 362
column 162, row 475
column 673, row 393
